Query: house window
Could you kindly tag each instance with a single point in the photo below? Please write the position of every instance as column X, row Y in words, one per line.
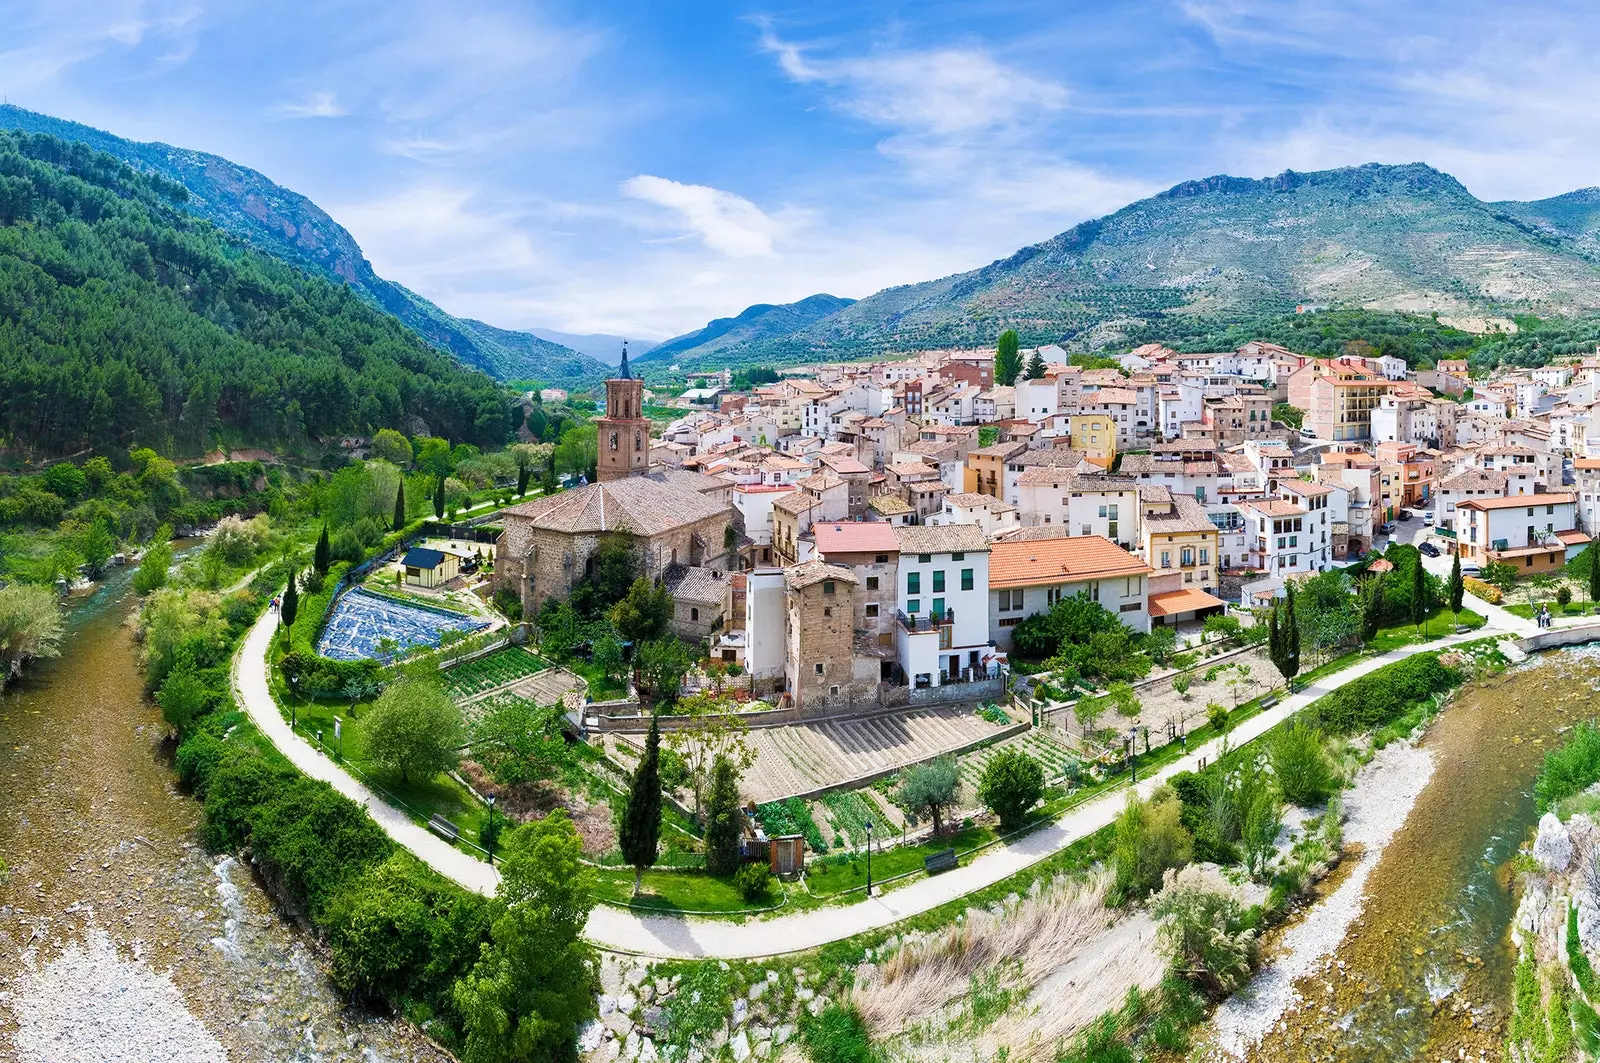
column 827, row 610
column 938, row 580
column 872, row 583
column 958, row 556
column 1205, row 555
column 827, row 586
column 1166, row 559
column 872, row 610
column 817, row 668
column 938, row 607
column 1188, row 556
column 913, row 583
column 913, row 606
column 694, row 614
column 924, row 558
column 881, row 559
column 966, row 579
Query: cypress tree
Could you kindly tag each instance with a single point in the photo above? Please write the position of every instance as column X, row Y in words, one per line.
column 722, row 820
column 1007, row 363
column 400, row 507
column 641, row 819
column 323, row 555
column 438, row 498
column 1291, row 640
column 523, row 472
column 1419, row 590
column 291, row 603
column 1594, row 572
column 1458, row 587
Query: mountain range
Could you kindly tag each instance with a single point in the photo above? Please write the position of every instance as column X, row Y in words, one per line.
column 1215, row 251
column 290, row 227
column 1405, row 237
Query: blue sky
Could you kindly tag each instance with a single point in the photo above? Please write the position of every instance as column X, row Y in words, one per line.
column 642, row 167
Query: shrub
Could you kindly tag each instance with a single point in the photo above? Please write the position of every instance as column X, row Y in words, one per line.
column 415, row 728
column 1569, row 770
column 196, row 760
column 1479, row 589
column 1203, row 929
column 312, row 840
column 1012, row 782
column 837, row 1035
column 1150, row 840
column 238, row 783
column 1217, row 716
column 1299, row 757
column 1383, row 695
column 754, row 882
column 1564, row 596
column 402, row 933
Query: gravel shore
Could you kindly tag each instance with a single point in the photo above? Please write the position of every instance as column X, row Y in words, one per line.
column 91, row 1005
column 1376, row 807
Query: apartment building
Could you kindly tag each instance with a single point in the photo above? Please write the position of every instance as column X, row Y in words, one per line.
column 942, row 599
column 1178, row 537
column 1535, row 532
column 1031, row 575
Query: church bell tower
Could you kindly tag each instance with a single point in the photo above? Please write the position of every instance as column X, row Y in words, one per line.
column 624, row 437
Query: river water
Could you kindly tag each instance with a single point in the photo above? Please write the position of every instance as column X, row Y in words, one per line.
column 1425, row 972
column 120, row 937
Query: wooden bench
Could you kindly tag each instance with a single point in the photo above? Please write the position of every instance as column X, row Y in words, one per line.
column 940, row 861
column 443, row 828
column 1269, row 701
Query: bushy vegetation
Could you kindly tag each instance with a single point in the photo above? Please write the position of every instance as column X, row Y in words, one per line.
column 1570, row 769
column 1011, row 784
column 1382, row 695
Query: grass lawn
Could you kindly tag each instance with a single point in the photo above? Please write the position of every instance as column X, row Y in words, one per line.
column 601, row 686
column 419, row 798
column 1439, row 623
column 834, row 874
column 678, row 891
column 1525, row 611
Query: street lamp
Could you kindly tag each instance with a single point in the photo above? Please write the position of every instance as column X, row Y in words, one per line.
column 294, row 702
column 490, row 801
column 868, row 825
column 319, row 740
column 1133, row 753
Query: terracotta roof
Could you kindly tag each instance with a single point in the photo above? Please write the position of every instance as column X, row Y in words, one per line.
column 1586, row 463
column 1383, row 564
column 1572, row 537
column 1514, row 501
column 1171, row 603
column 1033, row 534
column 855, row 537
column 941, row 539
column 1275, row 507
column 889, row 505
column 698, row 584
column 639, row 505
column 1037, row 562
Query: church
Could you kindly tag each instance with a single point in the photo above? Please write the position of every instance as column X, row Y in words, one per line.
column 679, row 522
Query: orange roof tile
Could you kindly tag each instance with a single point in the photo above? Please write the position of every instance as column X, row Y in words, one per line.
column 1035, row 563
column 1515, row 501
column 1170, row 603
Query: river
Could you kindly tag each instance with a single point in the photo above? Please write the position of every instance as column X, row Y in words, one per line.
column 1425, row 972
column 121, row 938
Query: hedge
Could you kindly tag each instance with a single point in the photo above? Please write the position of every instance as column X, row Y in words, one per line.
column 1479, row 589
column 1382, row 695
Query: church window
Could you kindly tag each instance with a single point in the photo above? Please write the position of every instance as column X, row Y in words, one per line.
column 613, row 441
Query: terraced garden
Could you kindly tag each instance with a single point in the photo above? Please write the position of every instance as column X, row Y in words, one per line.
column 1041, row 743
column 847, row 812
column 492, row 670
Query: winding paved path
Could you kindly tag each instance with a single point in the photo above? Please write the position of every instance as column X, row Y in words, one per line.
column 625, row 930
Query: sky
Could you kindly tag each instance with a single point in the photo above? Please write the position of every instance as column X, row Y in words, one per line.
column 640, row 168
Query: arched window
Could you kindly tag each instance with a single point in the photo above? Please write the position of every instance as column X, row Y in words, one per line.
column 613, row 441
column 638, row 439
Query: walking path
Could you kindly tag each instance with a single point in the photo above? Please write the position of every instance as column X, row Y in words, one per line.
column 626, row 930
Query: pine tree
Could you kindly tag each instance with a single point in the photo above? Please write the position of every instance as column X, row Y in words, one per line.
column 722, row 819
column 1458, row 587
column 438, row 499
column 641, row 819
column 1007, row 362
column 322, row 557
column 400, row 507
column 291, row 603
column 1036, row 367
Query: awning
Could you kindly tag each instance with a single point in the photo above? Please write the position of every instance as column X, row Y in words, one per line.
column 1188, row 600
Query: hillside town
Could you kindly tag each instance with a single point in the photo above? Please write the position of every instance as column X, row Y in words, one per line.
column 871, row 533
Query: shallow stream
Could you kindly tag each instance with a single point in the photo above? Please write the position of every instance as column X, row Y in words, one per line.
column 120, row 937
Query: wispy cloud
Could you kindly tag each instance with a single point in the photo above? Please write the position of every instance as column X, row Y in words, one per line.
column 723, row 221
column 49, row 40
column 316, row 105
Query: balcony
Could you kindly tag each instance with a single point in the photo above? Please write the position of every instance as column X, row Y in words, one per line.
column 925, row 621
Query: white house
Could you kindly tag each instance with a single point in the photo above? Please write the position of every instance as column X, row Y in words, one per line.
column 942, row 601
column 1029, row 576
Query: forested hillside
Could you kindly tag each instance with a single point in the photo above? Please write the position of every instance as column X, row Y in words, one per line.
column 124, row 320
column 288, row 226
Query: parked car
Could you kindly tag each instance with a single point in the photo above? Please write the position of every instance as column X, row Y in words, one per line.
column 1427, row 518
column 1429, row 549
column 1406, row 514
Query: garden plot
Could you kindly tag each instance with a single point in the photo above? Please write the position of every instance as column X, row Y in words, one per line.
column 1042, row 744
column 497, row 669
column 360, row 621
column 802, row 757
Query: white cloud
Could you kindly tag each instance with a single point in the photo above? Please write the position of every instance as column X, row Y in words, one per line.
column 316, row 105
column 724, row 222
column 45, row 41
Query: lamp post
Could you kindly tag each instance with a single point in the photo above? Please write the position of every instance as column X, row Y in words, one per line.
column 294, row 702
column 1133, row 754
column 868, row 825
column 319, row 740
column 490, row 801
